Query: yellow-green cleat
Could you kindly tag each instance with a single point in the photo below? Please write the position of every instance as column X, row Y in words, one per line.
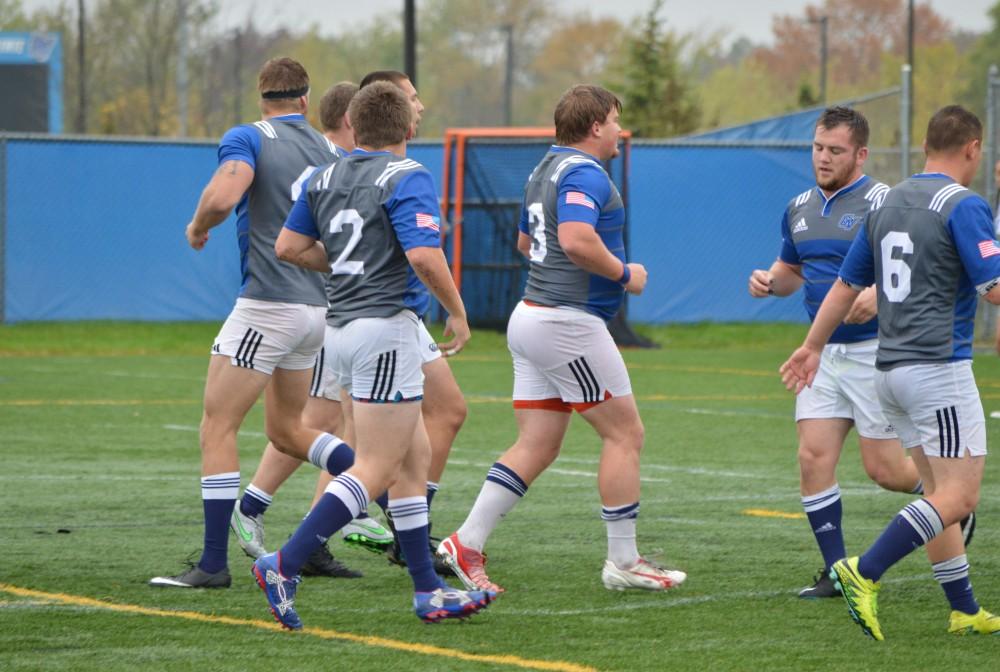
column 861, row 595
column 981, row 623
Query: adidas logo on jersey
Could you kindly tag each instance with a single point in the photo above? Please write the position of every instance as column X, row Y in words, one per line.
column 800, row 226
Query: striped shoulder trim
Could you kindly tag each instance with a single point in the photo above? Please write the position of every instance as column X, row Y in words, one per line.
column 394, row 168
column 573, row 160
column 329, row 145
column 327, row 174
column 942, row 196
column 876, row 195
column 803, row 198
column 267, row 129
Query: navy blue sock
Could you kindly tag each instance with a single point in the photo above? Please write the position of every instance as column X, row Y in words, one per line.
column 337, row 507
column 824, row 510
column 912, row 527
column 410, row 517
column 432, row 489
column 218, row 496
column 953, row 575
column 330, row 453
column 255, row 501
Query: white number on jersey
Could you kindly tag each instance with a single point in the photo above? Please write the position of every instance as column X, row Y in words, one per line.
column 300, row 182
column 341, row 266
column 895, row 272
column 536, row 224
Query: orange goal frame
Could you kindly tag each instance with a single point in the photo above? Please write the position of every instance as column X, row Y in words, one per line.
column 452, row 205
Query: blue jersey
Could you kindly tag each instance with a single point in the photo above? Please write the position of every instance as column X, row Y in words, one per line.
column 816, row 233
column 282, row 151
column 374, row 206
column 571, row 186
column 930, row 248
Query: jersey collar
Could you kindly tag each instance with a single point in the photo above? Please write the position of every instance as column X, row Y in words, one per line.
column 357, row 151
column 561, row 148
column 828, row 202
column 932, row 176
column 287, row 117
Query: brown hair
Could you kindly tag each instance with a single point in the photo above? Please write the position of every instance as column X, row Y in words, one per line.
column 833, row 117
column 333, row 105
column 951, row 128
column 282, row 75
column 381, row 115
column 394, row 76
column 579, row 108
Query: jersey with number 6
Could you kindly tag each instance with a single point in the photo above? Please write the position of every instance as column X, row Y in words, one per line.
column 929, row 248
column 368, row 209
column 571, row 186
column 283, row 151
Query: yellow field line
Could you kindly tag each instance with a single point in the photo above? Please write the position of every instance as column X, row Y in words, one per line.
column 365, row 640
column 768, row 513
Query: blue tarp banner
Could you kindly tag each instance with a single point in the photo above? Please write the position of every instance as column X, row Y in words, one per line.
column 95, row 230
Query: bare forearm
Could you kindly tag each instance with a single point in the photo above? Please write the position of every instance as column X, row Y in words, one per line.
column 312, row 258
column 431, row 267
column 592, row 256
column 786, row 279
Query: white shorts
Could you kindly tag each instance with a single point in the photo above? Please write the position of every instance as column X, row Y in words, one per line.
column 264, row 335
column 378, row 359
column 845, row 388
column 936, row 406
column 324, row 382
column 564, row 359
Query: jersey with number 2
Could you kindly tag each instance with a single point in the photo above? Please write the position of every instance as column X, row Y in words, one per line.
column 369, row 209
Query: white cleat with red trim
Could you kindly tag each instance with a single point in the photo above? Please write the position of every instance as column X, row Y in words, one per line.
column 644, row 575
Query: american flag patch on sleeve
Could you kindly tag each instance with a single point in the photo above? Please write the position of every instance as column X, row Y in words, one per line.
column 988, row 248
column 578, row 198
column 425, row 221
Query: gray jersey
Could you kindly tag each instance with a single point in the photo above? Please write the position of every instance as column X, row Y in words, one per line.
column 816, row 234
column 928, row 247
column 570, row 185
column 287, row 150
column 367, row 209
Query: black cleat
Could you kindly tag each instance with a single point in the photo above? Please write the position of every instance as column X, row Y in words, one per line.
column 322, row 563
column 194, row 577
column 823, row 587
column 968, row 525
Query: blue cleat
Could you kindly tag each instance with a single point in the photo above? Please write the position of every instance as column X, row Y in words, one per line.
column 280, row 591
column 447, row 602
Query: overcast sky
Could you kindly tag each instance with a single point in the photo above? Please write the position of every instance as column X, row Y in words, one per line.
column 751, row 18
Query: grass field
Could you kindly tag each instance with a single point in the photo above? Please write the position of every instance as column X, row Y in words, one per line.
column 99, row 484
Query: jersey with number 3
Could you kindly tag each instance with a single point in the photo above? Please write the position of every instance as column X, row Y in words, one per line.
column 283, row 151
column 571, row 186
column 930, row 248
column 368, row 209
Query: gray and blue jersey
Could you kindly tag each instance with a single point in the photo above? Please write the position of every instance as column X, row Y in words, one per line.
column 282, row 151
column 817, row 232
column 930, row 247
column 368, row 209
column 571, row 186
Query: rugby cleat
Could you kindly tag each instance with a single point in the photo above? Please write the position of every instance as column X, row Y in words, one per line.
column 823, row 586
column 861, row 595
column 249, row 532
column 322, row 563
column 982, row 623
column 644, row 575
column 279, row 590
column 447, row 602
column 469, row 565
column 194, row 577
column 367, row 533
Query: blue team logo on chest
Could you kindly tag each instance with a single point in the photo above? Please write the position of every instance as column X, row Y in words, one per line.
column 848, row 221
